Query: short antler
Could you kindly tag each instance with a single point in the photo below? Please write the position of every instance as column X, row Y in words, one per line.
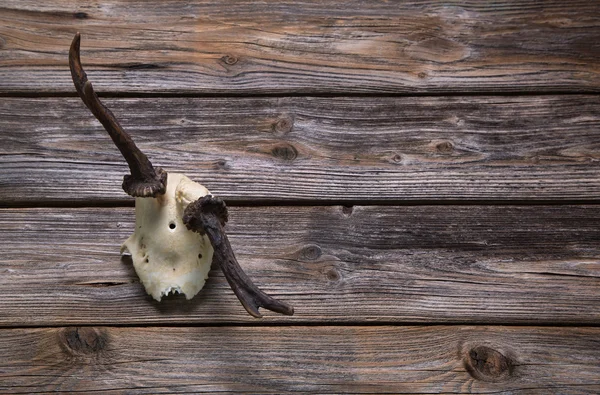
column 208, row 215
column 144, row 181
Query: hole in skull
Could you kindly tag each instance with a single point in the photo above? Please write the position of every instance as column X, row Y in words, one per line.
column 199, row 256
column 172, row 225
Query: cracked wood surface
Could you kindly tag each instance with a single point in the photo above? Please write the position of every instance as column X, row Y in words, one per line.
column 350, row 359
column 273, row 150
column 306, row 47
column 426, row 264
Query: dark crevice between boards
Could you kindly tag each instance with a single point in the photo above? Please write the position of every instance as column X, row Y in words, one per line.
column 347, row 204
column 278, row 95
column 297, row 322
column 68, row 204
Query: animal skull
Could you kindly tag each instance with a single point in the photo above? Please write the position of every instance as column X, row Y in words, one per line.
column 167, row 257
column 178, row 223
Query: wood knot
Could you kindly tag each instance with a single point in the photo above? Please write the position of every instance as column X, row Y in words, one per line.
column 347, row 210
column 283, row 125
column 332, row 275
column 310, row 253
column 80, row 15
column 229, row 60
column 83, row 341
column 486, row 364
column 445, row 147
column 285, row 151
column 220, row 164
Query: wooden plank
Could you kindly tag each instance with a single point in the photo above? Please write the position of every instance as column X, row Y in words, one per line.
column 438, row 359
column 227, row 47
column 311, row 149
column 442, row 264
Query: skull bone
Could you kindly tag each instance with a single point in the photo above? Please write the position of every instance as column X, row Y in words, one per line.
column 167, row 257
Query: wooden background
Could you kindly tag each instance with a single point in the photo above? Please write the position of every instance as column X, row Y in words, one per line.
column 419, row 179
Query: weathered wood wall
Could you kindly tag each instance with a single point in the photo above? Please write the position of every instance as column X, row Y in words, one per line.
column 419, row 179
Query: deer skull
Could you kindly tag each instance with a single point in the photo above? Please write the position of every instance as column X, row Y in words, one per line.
column 169, row 258
column 179, row 224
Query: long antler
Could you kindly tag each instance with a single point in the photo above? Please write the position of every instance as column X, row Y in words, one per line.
column 144, row 181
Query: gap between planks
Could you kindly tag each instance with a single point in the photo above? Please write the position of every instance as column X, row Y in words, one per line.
column 242, row 95
column 303, row 203
column 270, row 324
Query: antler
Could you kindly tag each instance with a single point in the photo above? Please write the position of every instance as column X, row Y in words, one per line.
column 208, row 215
column 144, row 181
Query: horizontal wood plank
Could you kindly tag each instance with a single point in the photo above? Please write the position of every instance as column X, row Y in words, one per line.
column 227, row 47
column 311, row 149
column 441, row 264
column 438, row 359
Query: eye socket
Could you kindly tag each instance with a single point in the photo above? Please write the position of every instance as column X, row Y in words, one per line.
column 172, row 225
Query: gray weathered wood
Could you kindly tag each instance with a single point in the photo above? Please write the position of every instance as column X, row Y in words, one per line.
column 442, row 264
column 324, row 125
column 303, row 46
column 386, row 359
column 310, row 149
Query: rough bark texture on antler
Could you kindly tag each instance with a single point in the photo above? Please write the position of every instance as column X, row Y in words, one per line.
column 208, row 215
column 144, row 180
column 179, row 225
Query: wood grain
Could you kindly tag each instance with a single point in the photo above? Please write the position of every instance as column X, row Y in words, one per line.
column 306, row 47
column 378, row 216
column 427, row 264
column 311, row 149
column 438, row 359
